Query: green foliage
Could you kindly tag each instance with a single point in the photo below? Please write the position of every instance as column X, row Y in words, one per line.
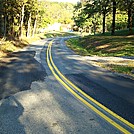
column 121, row 21
column 50, row 12
column 37, row 14
column 98, row 14
column 120, row 68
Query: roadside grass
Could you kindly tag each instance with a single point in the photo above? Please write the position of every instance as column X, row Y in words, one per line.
column 11, row 44
column 106, row 45
column 103, row 45
column 124, row 32
column 58, row 34
column 124, row 67
column 120, row 68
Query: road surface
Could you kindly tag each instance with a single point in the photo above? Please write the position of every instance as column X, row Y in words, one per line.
column 47, row 106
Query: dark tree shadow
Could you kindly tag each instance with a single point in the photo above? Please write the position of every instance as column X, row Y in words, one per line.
column 10, row 111
column 17, row 71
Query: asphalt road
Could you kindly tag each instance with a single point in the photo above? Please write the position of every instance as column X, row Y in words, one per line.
column 113, row 91
column 40, row 104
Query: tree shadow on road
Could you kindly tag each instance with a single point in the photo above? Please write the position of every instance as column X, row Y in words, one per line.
column 17, row 71
column 10, row 111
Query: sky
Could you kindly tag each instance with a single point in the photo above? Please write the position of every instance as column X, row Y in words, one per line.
column 71, row 1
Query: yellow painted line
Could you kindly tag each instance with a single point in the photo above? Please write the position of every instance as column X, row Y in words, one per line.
column 89, row 97
column 80, row 98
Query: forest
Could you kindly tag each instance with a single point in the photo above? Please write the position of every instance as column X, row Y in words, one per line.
column 99, row 16
column 26, row 17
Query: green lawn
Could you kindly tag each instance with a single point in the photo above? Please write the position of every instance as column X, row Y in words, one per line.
column 58, row 34
column 120, row 69
column 103, row 45
column 118, row 33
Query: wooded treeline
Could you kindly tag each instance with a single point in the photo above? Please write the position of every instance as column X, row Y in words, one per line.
column 99, row 16
column 23, row 17
column 16, row 15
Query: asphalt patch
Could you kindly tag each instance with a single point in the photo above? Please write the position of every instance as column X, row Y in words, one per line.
column 17, row 71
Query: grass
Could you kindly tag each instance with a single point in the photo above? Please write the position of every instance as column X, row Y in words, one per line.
column 106, row 45
column 12, row 44
column 124, row 32
column 103, row 45
column 58, row 34
column 75, row 45
column 120, row 69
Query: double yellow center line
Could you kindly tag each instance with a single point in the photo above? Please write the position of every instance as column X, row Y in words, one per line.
column 111, row 117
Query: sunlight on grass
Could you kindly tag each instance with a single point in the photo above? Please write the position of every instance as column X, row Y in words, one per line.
column 58, row 34
column 104, row 45
column 121, row 69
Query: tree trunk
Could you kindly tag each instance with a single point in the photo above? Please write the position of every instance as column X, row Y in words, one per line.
column 1, row 20
column 35, row 24
column 29, row 26
column 104, row 18
column 5, row 25
column 94, row 28
column 114, row 14
column 5, row 19
column 1, row 25
column 22, row 19
column 12, row 25
column 130, row 20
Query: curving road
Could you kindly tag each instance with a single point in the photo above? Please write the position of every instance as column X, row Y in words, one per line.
column 47, row 107
column 112, row 90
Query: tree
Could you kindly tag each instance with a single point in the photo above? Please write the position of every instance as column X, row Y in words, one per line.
column 35, row 16
column 3, row 17
column 27, row 15
column 31, row 7
column 79, row 16
column 128, row 6
column 22, row 6
column 103, row 7
column 91, row 9
column 114, row 14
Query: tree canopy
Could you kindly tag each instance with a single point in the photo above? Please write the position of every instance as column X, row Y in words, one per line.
column 23, row 17
column 105, row 15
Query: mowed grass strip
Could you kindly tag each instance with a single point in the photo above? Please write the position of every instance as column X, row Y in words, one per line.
column 58, row 34
column 120, row 68
column 103, row 45
column 124, row 69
